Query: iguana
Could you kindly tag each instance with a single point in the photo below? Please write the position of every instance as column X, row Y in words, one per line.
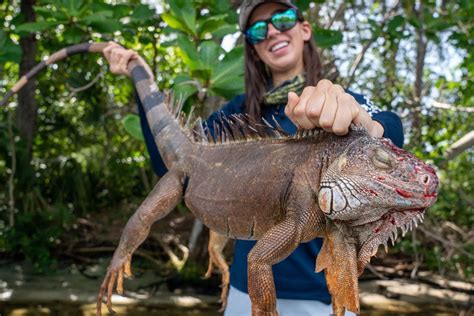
column 249, row 182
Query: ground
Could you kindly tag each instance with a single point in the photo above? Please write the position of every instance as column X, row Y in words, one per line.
column 158, row 288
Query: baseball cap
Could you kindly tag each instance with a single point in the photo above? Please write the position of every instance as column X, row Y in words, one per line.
column 248, row 6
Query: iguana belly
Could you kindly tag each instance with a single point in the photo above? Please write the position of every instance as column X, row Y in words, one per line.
column 232, row 211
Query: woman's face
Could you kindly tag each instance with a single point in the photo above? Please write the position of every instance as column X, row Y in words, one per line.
column 282, row 52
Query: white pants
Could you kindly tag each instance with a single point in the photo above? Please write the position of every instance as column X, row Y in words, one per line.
column 238, row 304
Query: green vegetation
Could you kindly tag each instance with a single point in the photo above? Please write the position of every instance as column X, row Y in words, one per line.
column 71, row 149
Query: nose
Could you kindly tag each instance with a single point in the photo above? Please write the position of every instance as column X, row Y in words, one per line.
column 272, row 31
column 430, row 181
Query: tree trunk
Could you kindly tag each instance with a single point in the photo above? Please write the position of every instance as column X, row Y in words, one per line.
column 421, row 44
column 27, row 110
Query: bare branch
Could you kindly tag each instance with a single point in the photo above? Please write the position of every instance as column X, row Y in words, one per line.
column 447, row 243
column 357, row 61
column 465, row 142
column 336, row 15
column 451, row 107
column 88, row 85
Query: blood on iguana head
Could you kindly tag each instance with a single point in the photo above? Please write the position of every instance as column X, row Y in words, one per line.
column 375, row 188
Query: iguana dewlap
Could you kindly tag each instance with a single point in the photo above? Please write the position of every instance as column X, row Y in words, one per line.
column 251, row 182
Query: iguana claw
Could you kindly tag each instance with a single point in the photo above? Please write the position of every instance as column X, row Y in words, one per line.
column 119, row 266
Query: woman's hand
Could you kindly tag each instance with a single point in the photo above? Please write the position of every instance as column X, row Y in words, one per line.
column 118, row 58
column 328, row 106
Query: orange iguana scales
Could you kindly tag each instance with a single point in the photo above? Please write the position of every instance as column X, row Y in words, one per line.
column 353, row 190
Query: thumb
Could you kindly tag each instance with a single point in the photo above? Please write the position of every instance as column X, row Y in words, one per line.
column 293, row 100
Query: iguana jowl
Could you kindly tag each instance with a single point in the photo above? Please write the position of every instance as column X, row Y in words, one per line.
column 354, row 191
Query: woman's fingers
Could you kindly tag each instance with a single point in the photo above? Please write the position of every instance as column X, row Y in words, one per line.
column 327, row 106
column 118, row 58
column 299, row 111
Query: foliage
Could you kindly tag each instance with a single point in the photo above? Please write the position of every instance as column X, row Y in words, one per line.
column 88, row 141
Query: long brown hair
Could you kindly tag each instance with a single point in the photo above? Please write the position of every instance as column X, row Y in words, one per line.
column 257, row 76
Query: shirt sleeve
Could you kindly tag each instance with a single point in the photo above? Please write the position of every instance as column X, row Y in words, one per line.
column 234, row 106
column 391, row 122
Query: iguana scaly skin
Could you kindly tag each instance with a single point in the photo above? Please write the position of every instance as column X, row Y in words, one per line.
column 353, row 190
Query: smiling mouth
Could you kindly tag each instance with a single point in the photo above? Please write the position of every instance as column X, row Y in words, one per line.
column 279, row 46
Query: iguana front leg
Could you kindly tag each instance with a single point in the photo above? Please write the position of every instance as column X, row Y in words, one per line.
column 161, row 200
column 215, row 247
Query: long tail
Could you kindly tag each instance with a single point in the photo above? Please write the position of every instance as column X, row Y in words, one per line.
column 170, row 139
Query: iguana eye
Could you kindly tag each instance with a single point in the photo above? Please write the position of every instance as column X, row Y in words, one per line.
column 381, row 159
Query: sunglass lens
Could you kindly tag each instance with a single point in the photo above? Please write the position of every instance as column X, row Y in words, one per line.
column 284, row 20
column 257, row 32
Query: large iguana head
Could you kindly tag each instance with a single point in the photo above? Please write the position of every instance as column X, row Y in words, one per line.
column 372, row 189
column 375, row 188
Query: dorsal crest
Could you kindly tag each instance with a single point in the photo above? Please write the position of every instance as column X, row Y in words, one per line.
column 240, row 127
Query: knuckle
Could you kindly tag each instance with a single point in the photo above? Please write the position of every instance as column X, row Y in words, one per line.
column 346, row 98
column 324, row 84
column 325, row 123
column 308, row 90
column 299, row 111
column 335, row 88
column 339, row 130
column 313, row 112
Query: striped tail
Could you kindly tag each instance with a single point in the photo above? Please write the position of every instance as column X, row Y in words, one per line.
column 171, row 140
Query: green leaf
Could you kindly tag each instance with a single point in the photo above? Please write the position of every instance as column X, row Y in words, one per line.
column 174, row 22
column 97, row 16
column 184, row 11
column 221, row 6
column 72, row 7
column 3, row 39
column 325, row 38
column 189, row 52
column 47, row 13
column 209, row 53
column 131, row 123
column 228, row 87
column 106, row 26
column 142, row 13
column 73, row 35
column 225, row 30
column 37, row 26
column 303, row 5
column 10, row 52
column 211, row 23
column 184, row 87
column 231, row 66
column 395, row 24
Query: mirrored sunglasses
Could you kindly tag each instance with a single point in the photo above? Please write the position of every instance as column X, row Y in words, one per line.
column 282, row 21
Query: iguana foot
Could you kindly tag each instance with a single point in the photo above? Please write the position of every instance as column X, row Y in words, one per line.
column 119, row 266
column 216, row 258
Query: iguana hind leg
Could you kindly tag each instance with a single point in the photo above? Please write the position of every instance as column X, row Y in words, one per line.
column 161, row 200
column 277, row 244
column 216, row 245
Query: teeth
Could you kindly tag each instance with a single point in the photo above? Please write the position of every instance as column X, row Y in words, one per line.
column 278, row 46
column 385, row 246
column 410, row 226
column 404, row 230
column 392, row 238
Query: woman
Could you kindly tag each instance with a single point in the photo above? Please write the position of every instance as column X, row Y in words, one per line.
column 283, row 81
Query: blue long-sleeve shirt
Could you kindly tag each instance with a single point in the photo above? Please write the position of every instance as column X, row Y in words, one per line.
column 294, row 277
